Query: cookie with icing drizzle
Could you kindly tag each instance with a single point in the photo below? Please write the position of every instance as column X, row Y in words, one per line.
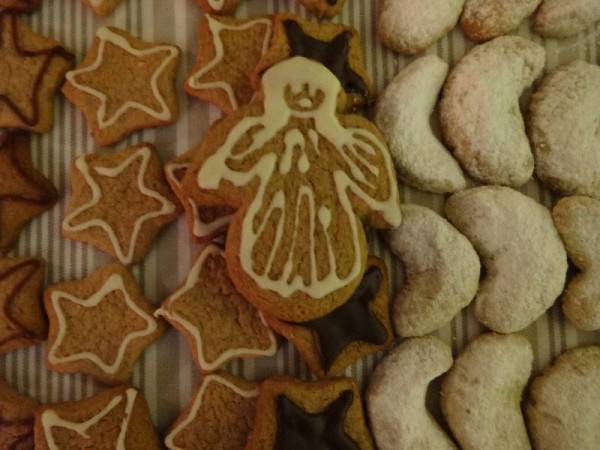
column 359, row 327
column 99, row 325
column 124, row 84
column 118, row 418
column 33, row 66
column 25, row 193
column 120, row 201
column 22, row 318
column 301, row 415
column 324, row 8
column 334, row 45
column 221, row 415
column 102, row 7
column 204, row 222
column 218, row 323
column 228, row 51
column 16, row 419
column 302, row 179
column 223, row 7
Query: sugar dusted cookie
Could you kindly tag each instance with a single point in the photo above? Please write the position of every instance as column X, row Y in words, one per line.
column 20, row 5
column 324, row 8
column 99, row 325
column 228, row 51
column 302, row 181
column 204, row 222
column 303, row 415
column 396, row 394
column 119, row 202
column 562, row 409
column 224, row 7
column 16, row 419
column 486, row 19
column 524, row 258
column 124, row 84
column 118, row 418
column 409, row 27
column 403, row 114
column 359, row 327
column 577, row 219
column 102, row 7
column 22, row 318
column 218, row 323
column 441, row 271
column 481, row 394
column 480, row 115
column 33, row 66
column 563, row 120
column 564, row 18
column 24, row 192
column 334, row 45
column 221, row 415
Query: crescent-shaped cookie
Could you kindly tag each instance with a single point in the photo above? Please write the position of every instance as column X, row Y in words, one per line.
column 480, row 115
column 521, row 250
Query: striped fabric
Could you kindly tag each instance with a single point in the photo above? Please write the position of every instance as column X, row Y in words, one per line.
column 165, row 371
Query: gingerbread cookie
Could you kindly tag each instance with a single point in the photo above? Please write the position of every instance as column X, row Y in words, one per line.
column 24, row 192
column 118, row 418
column 563, row 121
column 324, row 8
column 99, row 325
column 124, row 84
column 20, row 5
column 301, row 415
column 410, row 27
column 525, row 261
column 562, row 409
column 396, row 394
column 220, row 416
column 16, row 419
column 403, row 114
column 440, row 267
column 224, row 7
column 334, row 45
column 359, row 327
column 32, row 69
column 204, row 222
column 481, row 394
column 486, row 19
column 102, row 7
column 22, row 318
column 120, row 201
column 577, row 219
column 560, row 19
column 228, row 51
column 218, row 323
column 294, row 249
column 480, row 115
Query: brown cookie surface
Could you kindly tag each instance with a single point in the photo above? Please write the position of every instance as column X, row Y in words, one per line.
column 20, row 5
column 324, row 8
column 102, row 7
column 224, row 7
column 16, row 419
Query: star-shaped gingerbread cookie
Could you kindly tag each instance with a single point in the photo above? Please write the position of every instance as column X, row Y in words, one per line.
column 228, row 51
column 99, row 325
column 218, row 323
column 16, row 419
column 118, row 418
column 124, row 84
column 24, row 192
column 32, row 68
column 120, row 202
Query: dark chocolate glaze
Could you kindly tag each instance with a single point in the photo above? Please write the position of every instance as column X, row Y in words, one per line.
column 332, row 54
column 332, row 2
column 10, row 20
column 300, row 430
column 23, row 440
column 353, row 321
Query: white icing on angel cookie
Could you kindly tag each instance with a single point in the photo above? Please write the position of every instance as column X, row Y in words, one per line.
column 125, row 255
column 50, row 419
column 113, row 283
column 106, row 35
column 314, row 91
column 216, row 28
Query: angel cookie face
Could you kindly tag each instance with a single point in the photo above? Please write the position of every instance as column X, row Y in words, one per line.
column 302, row 178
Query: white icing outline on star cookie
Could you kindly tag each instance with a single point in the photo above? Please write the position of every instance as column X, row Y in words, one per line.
column 113, row 283
column 215, row 29
column 50, row 419
column 167, row 207
column 107, row 35
column 227, row 355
